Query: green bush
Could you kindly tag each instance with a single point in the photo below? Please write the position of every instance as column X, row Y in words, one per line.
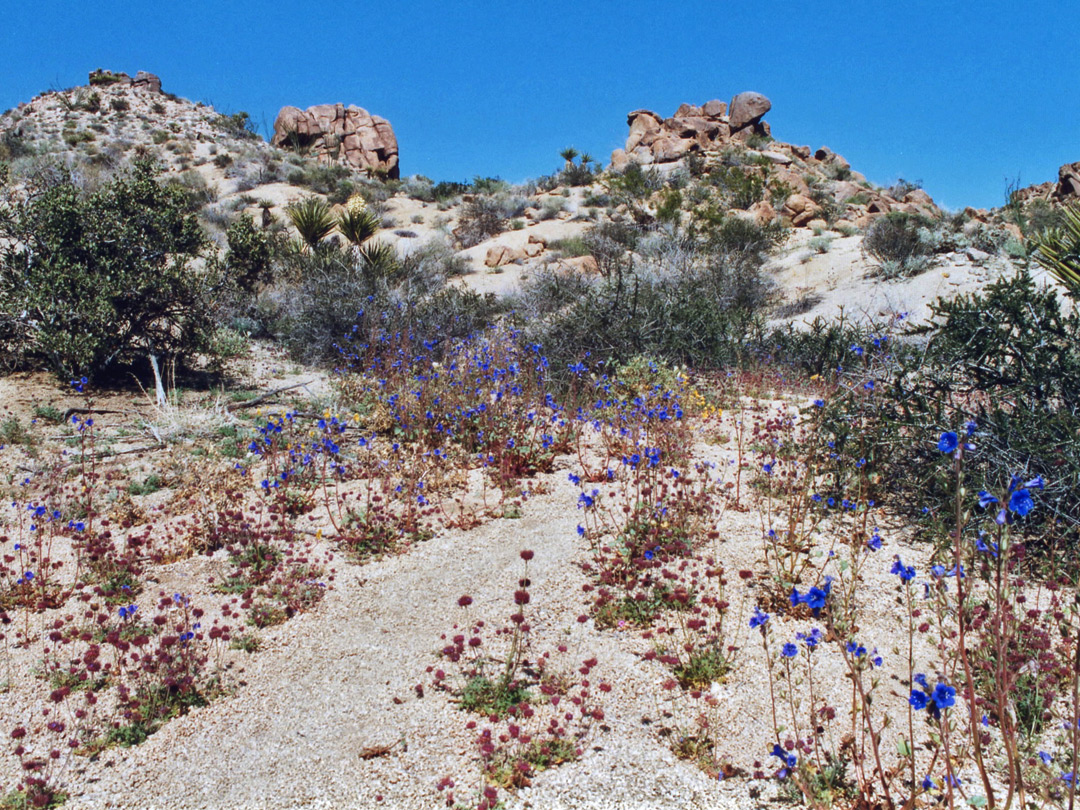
column 895, row 242
column 249, row 257
column 90, row 280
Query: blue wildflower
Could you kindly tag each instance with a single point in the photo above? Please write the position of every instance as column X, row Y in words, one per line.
column 948, row 442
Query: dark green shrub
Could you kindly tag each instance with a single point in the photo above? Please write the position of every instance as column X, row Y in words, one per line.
column 92, row 280
column 447, row 190
column 250, row 253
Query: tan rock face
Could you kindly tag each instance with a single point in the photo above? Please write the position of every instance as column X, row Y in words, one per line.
column 349, row 134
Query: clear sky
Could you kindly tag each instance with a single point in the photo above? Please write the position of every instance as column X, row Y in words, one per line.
column 961, row 96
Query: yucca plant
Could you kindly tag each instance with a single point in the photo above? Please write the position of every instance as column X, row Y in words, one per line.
column 1058, row 250
column 312, row 219
column 378, row 261
column 357, row 225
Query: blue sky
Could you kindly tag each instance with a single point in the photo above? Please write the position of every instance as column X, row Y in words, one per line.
column 962, row 96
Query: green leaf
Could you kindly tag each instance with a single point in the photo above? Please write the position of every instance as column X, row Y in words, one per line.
column 903, row 748
column 977, row 801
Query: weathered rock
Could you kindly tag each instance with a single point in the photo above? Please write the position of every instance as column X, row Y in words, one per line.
column 1068, row 184
column 644, row 129
column 761, row 129
column 776, row 157
column 802, row 152
column 687, row 110
column 714, row 108
column 670, row 148
column 763, row 212
column 817, row 224
column 350, row 134
column 146, row 81
column 800, row 209
column 583, row 264
column 793, row 180
column 919, row 197
column 535, row 246
column 747, row 109
column 498, row 255
column 844, row 190
column 977, row 256
column 619, row 160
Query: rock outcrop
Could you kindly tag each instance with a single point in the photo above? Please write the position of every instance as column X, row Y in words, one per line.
column 349, row 134
column 691, row 129
column 142, row 81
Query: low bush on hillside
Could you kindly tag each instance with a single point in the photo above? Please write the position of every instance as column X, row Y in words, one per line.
column 894, row 240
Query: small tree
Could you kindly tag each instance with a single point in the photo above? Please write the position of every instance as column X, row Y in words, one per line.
column 96, row 279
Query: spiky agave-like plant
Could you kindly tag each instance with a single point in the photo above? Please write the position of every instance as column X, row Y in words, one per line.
column 378, row 261
column 1058, row 250
column 312, row 219
column 356, row 222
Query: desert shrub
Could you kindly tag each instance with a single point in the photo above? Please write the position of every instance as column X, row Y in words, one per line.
column 738, row 187
column 1010, row 359
column 901, row 188
column 119, row 105
column 100, row 278
column 337, row 298
column 434, row 260
column 321, row 178
column 194, row 188
column 238, row 125
column 250, row 253
column 895, row 242
column 14, row 145
column 572, row 246
column 448, row 189
column 481, row 218
column 682, row 303
column 489, row 185
column 634, row 183
column 580, row 173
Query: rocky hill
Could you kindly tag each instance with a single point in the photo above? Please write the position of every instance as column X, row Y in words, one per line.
column 717, row 156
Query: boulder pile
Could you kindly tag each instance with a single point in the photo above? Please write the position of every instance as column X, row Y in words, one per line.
column 349, row 134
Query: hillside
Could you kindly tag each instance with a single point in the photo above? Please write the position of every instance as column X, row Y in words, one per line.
column 642, row 485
